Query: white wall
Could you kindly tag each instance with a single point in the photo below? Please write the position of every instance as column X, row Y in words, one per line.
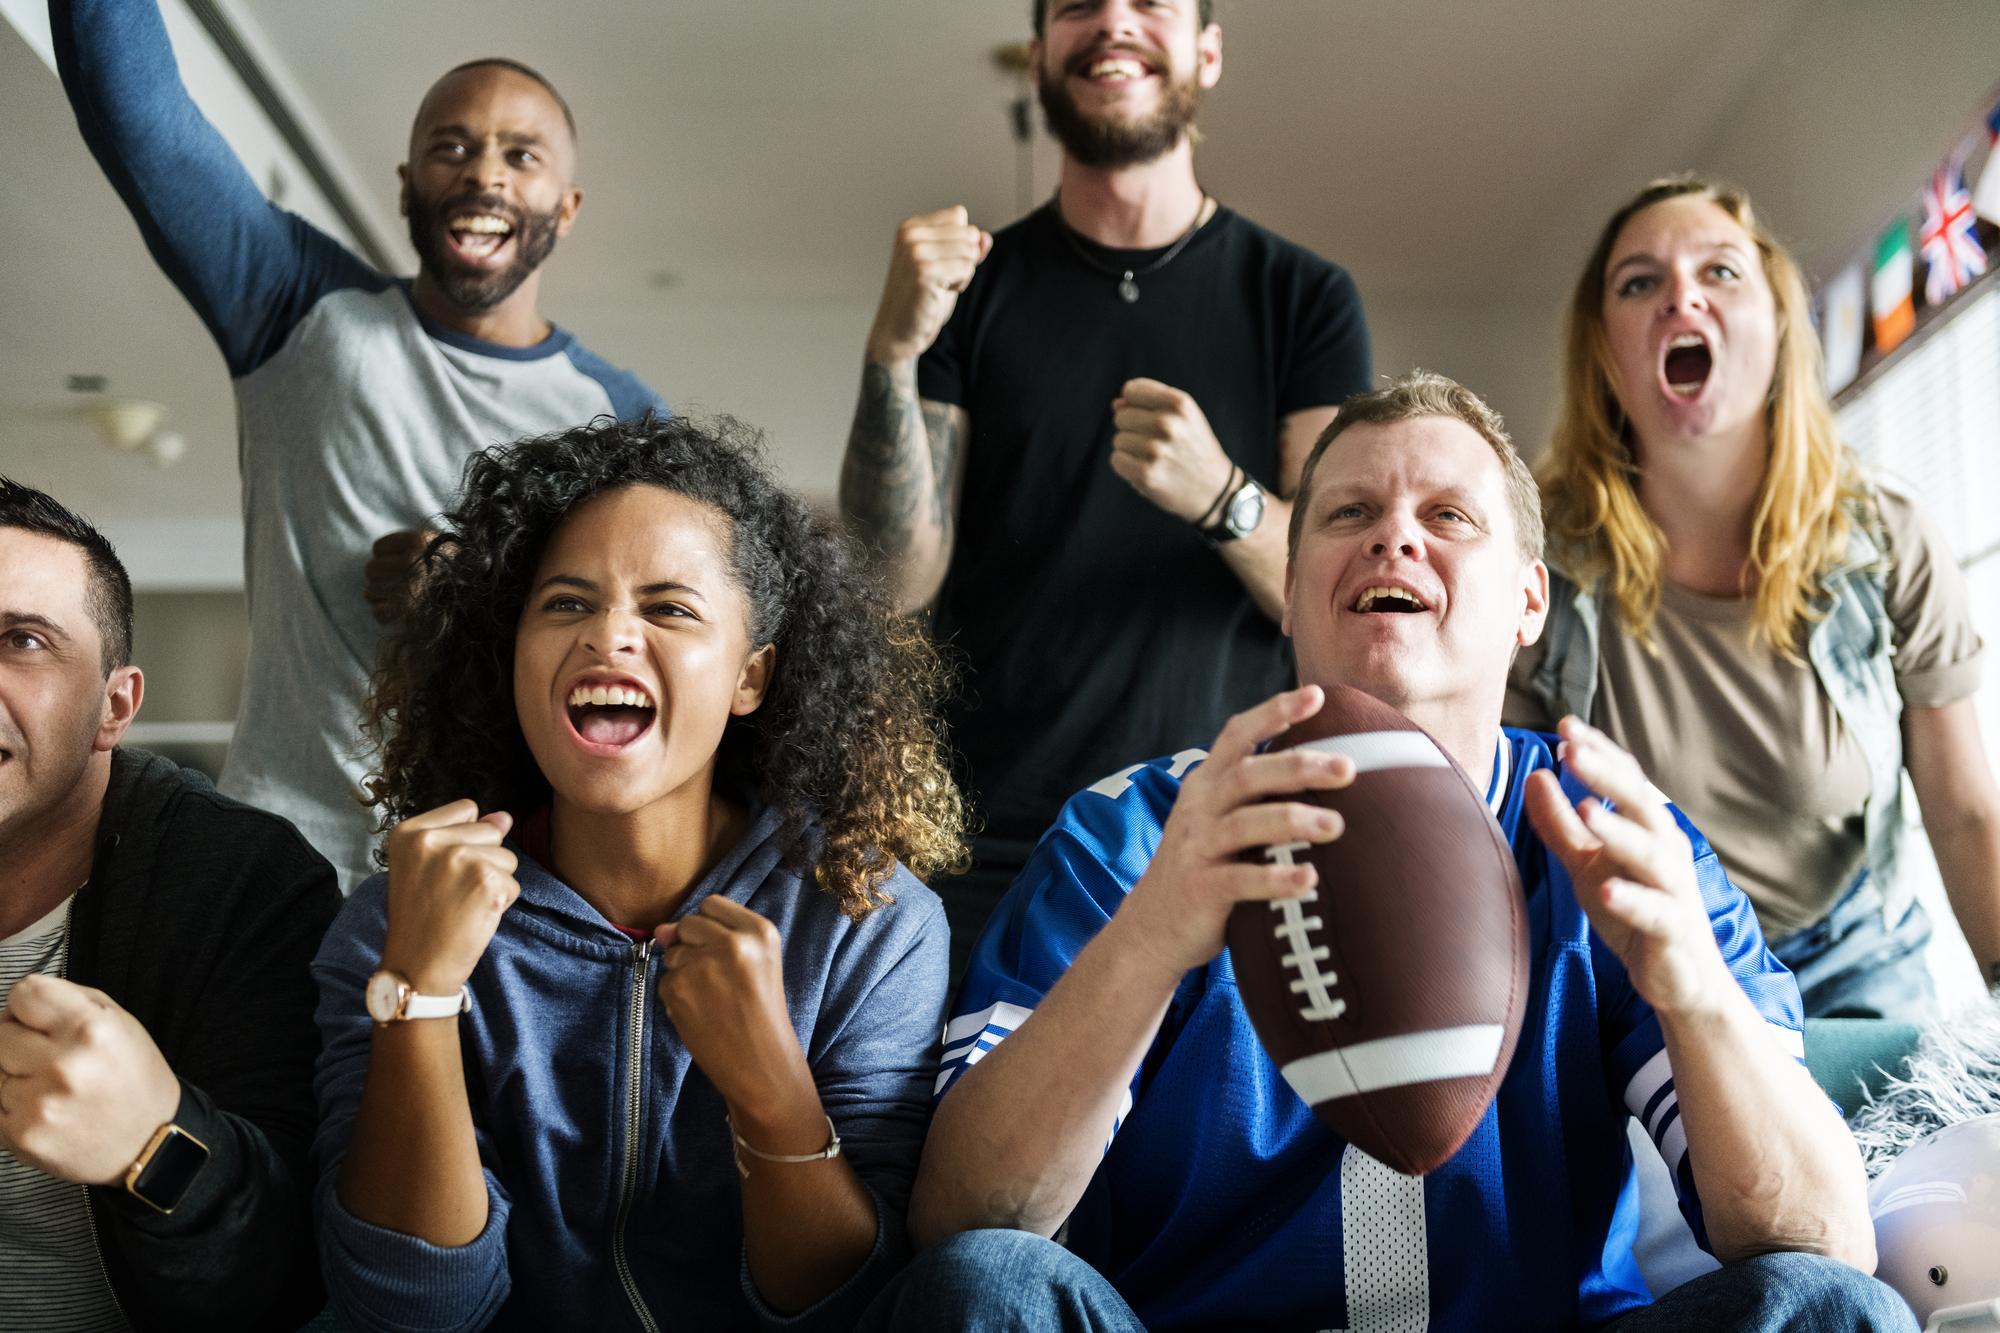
column 1845, row 124
column 1506, row 349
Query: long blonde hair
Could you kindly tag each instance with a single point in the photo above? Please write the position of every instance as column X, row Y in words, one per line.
column 1812, row 492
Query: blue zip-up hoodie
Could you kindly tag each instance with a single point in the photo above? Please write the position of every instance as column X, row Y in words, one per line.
column 612, row 1194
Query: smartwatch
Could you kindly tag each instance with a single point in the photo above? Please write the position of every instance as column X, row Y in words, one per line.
column 1241, row 513
column 394, row 1000
column 171, row 1160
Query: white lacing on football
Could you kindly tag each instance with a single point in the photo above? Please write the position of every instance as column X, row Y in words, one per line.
column 1292, row 928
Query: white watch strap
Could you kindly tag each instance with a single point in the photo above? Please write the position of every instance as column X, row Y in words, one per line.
column 437, row 1006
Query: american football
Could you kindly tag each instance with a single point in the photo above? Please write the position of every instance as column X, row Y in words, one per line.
column 1391, row 999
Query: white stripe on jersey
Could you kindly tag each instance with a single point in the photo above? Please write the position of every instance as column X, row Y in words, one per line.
column 1664, row 1125
column 1503, row 767
column 1793, row 1041
column 1393, row 1062
column 1375, row 750
column 967, row 1039
column 1385, row 1249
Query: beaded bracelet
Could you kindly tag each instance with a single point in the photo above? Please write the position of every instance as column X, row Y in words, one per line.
column 830, row 1151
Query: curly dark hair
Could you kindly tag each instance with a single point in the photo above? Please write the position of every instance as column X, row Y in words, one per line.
column 844, row 739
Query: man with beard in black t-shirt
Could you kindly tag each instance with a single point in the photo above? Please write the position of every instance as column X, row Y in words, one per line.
column 1105, row 615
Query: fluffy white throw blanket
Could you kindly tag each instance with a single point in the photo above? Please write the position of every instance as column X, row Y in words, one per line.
column 1954, row 1076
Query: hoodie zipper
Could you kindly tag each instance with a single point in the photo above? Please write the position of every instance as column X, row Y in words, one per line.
column 642, row 953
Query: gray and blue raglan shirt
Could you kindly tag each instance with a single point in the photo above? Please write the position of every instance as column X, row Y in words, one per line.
column 356, row 414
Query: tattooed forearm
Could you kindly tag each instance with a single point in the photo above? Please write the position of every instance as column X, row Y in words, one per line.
column 899, row 483
column 944, row 424
column 886, row 490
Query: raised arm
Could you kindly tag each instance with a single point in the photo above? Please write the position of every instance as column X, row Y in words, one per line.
column 1773, row 1164
column 1016, row 1140
column 249, row 269
column 899, row 483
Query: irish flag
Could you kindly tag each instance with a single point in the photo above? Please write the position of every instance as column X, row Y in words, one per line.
column 1890, row 292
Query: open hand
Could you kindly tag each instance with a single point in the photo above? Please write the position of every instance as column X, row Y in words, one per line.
column 391, row 579
column 84, row 1085
column 450, row 879
column 931, row 264
column 1180, row 907
column 1633, row 871
column 723, row 984
column 1166, row 450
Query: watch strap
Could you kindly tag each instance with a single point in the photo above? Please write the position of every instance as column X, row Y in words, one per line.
column 1224, row 528
column 436, row 1006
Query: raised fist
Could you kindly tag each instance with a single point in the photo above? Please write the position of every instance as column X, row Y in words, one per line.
column 933, row 261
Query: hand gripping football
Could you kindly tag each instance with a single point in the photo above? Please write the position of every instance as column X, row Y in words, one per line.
column 1391, row 1000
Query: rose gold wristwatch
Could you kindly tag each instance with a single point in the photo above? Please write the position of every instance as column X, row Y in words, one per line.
column 394, row 1000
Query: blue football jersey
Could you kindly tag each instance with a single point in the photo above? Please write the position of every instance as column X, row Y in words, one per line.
column 1223, row 1202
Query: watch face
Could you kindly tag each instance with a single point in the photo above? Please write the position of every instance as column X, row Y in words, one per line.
column 173, row 1166
column 1246, row 509
column 384, row 997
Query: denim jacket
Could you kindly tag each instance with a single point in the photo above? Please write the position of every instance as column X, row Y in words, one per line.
column 1851, row 650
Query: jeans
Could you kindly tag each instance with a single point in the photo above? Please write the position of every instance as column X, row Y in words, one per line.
column 1849, row 965
column 1015, row 1282
column 999, row 1282
column 1773, row 1292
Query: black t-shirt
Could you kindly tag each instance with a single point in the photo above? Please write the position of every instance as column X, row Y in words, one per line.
column 1096, row 629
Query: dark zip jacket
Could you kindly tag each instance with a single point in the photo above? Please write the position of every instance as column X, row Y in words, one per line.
column 201, row 918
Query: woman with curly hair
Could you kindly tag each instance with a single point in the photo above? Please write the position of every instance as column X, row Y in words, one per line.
column 647, row 728
column 1774, row 635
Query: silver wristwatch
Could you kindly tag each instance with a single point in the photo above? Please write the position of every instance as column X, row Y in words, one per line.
column 1241, row 513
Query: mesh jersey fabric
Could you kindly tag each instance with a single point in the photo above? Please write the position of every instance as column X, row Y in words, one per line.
column 1223, row 1202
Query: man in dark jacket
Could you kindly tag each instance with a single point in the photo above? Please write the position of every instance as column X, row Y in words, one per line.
column 157, row 1042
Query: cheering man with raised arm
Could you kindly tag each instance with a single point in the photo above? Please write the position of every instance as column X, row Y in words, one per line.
column 1102, row 1009
column 1077, row 437
column 359, row 396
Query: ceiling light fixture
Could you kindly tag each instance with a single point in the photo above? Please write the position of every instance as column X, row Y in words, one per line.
column 129, row 424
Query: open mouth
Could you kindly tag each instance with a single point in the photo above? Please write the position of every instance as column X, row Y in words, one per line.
column 1687, row 364
column 1115, row 67
column 610, row 715
column 478, row 236
column 1386, row 599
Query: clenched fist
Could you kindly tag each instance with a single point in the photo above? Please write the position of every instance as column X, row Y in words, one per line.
column 933, row 261
column 723, row 983
column 1166, row 450
column 449, row 882
column 84, row 1085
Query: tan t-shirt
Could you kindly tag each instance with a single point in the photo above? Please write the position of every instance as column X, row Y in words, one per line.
column 1748, row 744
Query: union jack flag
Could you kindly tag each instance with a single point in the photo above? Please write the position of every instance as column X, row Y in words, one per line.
column 1949, row 239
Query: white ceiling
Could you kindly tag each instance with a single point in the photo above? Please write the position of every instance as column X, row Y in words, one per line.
column 1454, row 154
column 764, row 148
